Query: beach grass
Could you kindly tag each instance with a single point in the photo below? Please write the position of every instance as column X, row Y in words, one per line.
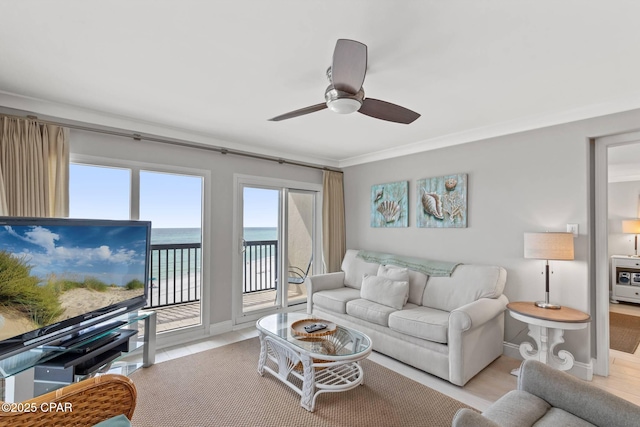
column 134, row 284
column 37, row 300
column 21, row 291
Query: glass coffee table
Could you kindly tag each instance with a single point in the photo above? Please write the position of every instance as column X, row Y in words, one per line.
column 311, row 364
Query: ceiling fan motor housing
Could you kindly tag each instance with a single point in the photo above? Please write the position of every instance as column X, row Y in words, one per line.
column 342, row 102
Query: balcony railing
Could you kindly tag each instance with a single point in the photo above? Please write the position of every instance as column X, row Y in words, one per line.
column 175, row 271
column 260, row 265
column 174, row 274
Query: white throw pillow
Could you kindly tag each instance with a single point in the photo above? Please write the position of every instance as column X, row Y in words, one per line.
column 385, row 291
column 394, row 273
column 397, row 274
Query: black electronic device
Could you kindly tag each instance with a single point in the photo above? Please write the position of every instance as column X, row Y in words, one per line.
column 315, row 327
column 84, row 336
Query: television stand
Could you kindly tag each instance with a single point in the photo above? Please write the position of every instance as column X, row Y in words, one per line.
column 64, row 360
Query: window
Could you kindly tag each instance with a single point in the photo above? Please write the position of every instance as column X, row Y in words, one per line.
column 98, row 192
column 173, row 203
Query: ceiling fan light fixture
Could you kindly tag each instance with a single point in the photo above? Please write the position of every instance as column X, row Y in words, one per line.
column 344, row 105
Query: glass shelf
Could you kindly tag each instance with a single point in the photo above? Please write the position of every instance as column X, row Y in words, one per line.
column 20, row 362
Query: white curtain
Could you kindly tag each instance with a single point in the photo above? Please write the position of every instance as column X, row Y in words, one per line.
column 34, row 169
column 333, row 221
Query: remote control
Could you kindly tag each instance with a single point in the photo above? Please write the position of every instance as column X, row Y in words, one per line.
column 315, row 327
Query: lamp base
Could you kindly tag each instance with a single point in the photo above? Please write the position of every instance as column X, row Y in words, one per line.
column 544, row 304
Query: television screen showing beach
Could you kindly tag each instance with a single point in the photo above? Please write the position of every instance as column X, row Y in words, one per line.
column 52, row 273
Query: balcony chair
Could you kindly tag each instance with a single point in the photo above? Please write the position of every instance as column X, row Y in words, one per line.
column 296, row 276
column 92, row 401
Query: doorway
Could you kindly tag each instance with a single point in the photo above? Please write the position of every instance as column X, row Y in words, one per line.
column 276, row 230
column 623, row 203
column 604, row 228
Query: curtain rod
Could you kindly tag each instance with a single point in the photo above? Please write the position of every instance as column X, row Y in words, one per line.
column 140, row 137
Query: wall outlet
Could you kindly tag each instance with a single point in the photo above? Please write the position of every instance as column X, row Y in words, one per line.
column 573, row 228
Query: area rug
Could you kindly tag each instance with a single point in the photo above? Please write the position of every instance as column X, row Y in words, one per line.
column 222, row 387
column 624, row 332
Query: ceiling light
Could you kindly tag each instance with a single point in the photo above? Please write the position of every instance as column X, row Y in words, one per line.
column 344, row 105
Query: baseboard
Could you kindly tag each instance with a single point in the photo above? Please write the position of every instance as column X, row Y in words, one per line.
column 581, row 370
column 221, row 328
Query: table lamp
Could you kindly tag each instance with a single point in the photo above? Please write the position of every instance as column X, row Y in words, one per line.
column 548, row 246
column 632, row 226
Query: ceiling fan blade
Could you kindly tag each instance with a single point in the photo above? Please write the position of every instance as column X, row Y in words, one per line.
column 387, row 111
column 349, row 65
column 300, row 112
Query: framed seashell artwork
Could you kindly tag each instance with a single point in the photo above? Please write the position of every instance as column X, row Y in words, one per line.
column 442, row 201
column 390, row 204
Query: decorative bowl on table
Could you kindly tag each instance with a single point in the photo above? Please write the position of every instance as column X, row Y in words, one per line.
column 298, row 328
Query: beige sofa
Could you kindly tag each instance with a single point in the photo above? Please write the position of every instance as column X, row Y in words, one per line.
column 451, row 326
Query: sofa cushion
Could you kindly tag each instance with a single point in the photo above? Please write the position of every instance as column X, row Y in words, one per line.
column 335, row 299
column 417, row 281
column 557, row 417
column 421, row 322
column 355, row 268
column 466, row 284
column 516, row 409
column 385, row 291
column 370, row 311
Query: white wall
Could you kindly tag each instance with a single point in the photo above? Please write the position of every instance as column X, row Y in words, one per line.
column 531, row 181
column 222, row 167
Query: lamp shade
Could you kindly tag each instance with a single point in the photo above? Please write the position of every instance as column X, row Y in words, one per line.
column 558, row 246
column 631, row 226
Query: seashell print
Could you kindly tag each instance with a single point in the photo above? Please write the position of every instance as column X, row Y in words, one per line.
column 379, row 195
column 432, row 204
column 450, row 184
column 390, row 210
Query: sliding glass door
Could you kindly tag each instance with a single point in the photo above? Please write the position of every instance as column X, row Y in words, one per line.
column 277, row 241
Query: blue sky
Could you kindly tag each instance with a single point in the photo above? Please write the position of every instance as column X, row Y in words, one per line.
column 111, row 254
column 167, row 200
column 260, row 207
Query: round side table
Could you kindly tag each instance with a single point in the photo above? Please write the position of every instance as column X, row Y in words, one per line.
column 546, row 327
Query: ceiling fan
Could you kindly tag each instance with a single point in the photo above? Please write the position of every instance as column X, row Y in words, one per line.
column 345, row 94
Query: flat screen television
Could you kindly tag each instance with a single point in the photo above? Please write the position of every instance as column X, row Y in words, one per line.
column 59, row 275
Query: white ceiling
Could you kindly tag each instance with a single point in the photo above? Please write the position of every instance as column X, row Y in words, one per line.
column 217, row 70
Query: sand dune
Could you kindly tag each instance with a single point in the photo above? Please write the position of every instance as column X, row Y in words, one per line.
column 75, row 302
column 79, row 301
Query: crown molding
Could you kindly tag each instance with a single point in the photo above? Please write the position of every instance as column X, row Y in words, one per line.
column 500, row 129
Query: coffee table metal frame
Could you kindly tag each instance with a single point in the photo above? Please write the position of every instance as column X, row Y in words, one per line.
column 320, row 373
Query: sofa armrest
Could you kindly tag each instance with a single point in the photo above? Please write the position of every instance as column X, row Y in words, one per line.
column 468, row 418
column 477, row 313
column 324, row 282
column 576, row 396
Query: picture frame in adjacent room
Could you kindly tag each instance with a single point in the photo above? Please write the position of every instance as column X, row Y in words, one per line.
column 390, row 204
column 442, row 201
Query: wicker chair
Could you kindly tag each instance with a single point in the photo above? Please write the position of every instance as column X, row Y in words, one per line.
column 92, row 400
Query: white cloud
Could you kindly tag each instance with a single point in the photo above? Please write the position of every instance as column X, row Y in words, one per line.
column 53, row 254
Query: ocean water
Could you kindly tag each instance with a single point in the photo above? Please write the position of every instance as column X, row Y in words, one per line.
column 165, row 236
column 260, row 233
column 161, row 236
column 163, row 267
